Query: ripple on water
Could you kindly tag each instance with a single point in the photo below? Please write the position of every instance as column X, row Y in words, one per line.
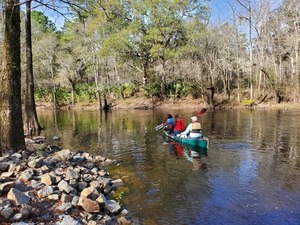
column 236, row 146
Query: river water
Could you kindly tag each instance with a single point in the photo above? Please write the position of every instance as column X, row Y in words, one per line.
column 252, row 174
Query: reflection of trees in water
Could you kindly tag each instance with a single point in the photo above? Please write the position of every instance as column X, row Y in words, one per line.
column 99, row 131
column 274, row 136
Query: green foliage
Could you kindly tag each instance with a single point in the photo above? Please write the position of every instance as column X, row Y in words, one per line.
column 125, row 90
column 46, row 24
column 129, row 89
column 153, row 89
column 85, row 92
column 194, row 89
column 63, row 95
column 120, row 195
column 248, row 102
column 177, row 89
column 42, row 94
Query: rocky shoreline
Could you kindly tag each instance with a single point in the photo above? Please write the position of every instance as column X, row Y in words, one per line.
column 57, row 186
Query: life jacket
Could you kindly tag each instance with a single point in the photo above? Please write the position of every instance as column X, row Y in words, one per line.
column 179, row 125
column 196, row 127
column 182, row 124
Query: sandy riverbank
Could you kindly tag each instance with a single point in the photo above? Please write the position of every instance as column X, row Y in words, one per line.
column 145, row 104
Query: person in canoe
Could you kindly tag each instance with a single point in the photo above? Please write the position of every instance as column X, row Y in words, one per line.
column 169, row 123
column 194, row 129
column 179, row 125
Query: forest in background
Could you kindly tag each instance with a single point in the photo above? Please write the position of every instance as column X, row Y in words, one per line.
column 158, row 49
column 167, row 49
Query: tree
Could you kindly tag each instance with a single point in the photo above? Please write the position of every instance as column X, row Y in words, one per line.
column 11, row 124
column 30, row 116
column 72, row 56
column 44, row 22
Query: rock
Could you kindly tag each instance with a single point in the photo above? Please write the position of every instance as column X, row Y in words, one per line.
column 75, row 200
column 89, row 205
column 25, row 210
column 95, row 184
column 16, row 168
column 7, row 212
column 90, row 192
column 35, row 163
column 47, row 179
column 64, row 154
column 4, row 203
column 112, row 206
column 17, row 216
column 123, row 221
column 18, row 197
column 68, row 220
column 16, row 156
column 43, row 193
column 61, row 181
column 53, row 197
column 71, row 174
column 4, row 166
column 26, row 175
column 7, row 174
column 90, row 165
column 106, row 220
column 66, row 198
column 81, row 185
column 65, row 206
column 117, row 183
column 56, row 138
column 64, row 186
column 99, row 158
column 124, row 212
column 22, row 223
column 40, row 137
column 101, row 199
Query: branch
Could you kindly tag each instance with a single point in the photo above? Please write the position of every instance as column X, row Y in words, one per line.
column 53, row 8
column 243, row 5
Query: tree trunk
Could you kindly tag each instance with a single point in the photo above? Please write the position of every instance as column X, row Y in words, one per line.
column 73, row 93
column 106, row 106
column 163, row 82
column 31, row 118
column 11, row 123
column 145, row 73
column 55, row 103
column 98, row 94
column 278, row 95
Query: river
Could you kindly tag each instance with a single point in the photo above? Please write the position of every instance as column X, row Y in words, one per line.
column 252, row 174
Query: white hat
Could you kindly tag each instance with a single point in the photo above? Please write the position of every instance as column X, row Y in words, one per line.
column 194, row 118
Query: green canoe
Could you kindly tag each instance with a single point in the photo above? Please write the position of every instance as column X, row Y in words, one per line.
column 199, row 142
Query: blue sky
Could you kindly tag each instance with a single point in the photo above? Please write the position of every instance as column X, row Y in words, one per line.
column 221, row 11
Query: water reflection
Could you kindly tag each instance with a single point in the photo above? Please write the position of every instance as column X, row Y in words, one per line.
column 194, row 154
column 252, row 174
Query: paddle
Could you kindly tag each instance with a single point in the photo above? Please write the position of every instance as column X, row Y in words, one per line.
column 202, row 112
column 158, row 127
